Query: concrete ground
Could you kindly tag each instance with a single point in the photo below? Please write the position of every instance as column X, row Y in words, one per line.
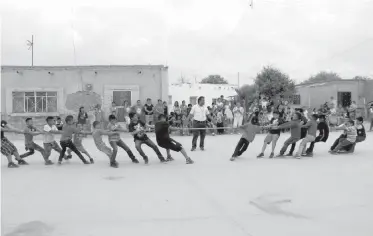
column 324, row 195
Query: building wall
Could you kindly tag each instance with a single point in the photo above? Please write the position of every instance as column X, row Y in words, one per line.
column 180, row 92
column 143, row 81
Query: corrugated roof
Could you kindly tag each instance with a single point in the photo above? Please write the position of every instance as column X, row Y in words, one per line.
column 70, row 67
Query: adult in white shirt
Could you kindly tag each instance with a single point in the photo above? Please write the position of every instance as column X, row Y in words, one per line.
column 199, row 113
column 238, row 112
column 48, row 138
column 371, row 117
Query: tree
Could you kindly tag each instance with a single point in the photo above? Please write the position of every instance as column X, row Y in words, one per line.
column 323, row 76
column 214, row 79
column 358, row 77
column 271, row 82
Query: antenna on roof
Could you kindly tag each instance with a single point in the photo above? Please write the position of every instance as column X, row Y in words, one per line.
column 31, row 46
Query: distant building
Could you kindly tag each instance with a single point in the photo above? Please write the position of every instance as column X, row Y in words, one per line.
column 41, row 91
column 190, row 92
column 344, row 91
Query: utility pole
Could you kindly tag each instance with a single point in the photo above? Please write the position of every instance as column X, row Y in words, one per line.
column 238, row 79
column 31, row 46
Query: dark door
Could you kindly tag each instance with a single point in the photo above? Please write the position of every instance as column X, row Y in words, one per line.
column 344, row 98
column 120, row 96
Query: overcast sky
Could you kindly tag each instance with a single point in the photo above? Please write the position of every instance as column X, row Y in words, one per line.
column 195, row 37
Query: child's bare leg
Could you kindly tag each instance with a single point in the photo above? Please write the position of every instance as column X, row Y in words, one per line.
column 274, row 145
column 89, row 156
column 168, row 152
column 184, row 154
column 264, row 147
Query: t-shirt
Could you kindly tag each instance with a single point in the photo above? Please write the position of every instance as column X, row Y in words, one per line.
column 249, row 131
column 49, row 137
column 324, row 130
column 28, row 137
column 219, row 117
column 162, row 131
column 238, row 112
column 294, row 128
column 351, row 133
column 78, row 138
column 138, row 109
column 59, row 125
column 3, row 124
column 139, row 126
column 199, row 113
column 97, row 138
column 148, row 109
column 312, row 127
column 82, row 118
column 98, row 115
column 361, row 131
column 68, row 131
column 115, row 137
column 276, row 122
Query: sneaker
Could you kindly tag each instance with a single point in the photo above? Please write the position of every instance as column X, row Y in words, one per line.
column 22, row 162
column 310, row 154
column 289, row 154
column 170, row 158
column 91, row 160
column 134, row 160
column 114, row 164
column 59, row 163
column 271, row 155
column 12, row 165
column 86, row 162
column 146, row 160
column 48, row 163
column 297, row 156
column 163, row 160
column 189, row 161
column 202, row 149
column 232, row 158
column 334, row 152
column 280, row 155
column 68, row 157
column 260, row 155
column 193, row 149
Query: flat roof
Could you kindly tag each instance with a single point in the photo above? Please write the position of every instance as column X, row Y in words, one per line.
column 86, row 67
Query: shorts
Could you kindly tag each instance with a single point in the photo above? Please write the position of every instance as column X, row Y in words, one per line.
column 7, row 148
column 271, row 138
column 170, row 144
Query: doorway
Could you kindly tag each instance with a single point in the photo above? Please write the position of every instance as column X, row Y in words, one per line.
column 344, row 99
column 120, row 96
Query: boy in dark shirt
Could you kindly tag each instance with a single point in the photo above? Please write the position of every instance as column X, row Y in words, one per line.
column 273, row 135
column 30, row 145
column 295, row 129
column 66, row 139
column 7, row 148
column 311, row 126
column 137, row 128
column 322, row 137
column 162, row 132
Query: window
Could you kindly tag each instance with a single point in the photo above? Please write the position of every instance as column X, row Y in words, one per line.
column 34, row 102
column 296, row 99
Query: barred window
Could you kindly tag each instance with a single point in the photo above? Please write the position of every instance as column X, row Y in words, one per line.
column 34, row 102
column 296, row 99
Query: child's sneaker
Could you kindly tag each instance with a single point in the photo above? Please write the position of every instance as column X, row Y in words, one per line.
column 280, row 155
column 271, row 155
column 68, row 157
column 170, row 158
column 189, row 161
column 202, row 149
column 297, row 156
column 22, row 162
column 86, row 162
column 289, row 154
column 146, row 160
column 233, row 158
column 12, row 165
column 59, row 163
column 260, row 155
column 134, row 160
column 114, row 164
column 193, row 149
column 163, row 160
column 91, row 160
column 48, row 162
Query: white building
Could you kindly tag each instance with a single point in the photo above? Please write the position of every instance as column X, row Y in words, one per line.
column 191, row 92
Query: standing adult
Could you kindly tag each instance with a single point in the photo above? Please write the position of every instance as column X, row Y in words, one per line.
column 371, row 117
column 199, row 113
column 149, row 112
column 82, row 116
column 238, row 115
column 127, row 110
column 333, row 105
column 165, row 107
column 138, row 109
column 352, row 110
column 183, row 108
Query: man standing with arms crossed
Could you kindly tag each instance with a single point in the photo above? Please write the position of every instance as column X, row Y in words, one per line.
column 199, row 113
